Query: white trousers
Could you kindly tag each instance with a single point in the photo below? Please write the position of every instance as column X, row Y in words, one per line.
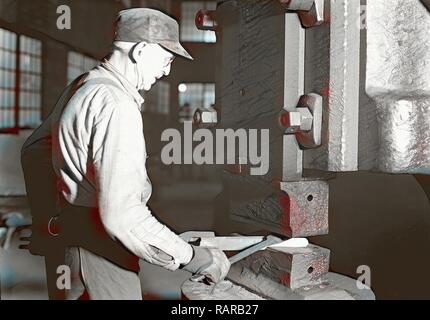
column 102, row 279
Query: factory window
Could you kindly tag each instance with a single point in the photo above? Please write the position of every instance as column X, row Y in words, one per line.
column 189, row 31
column 20, row 96
column 78, row 64
column 193, row 96
column 157, row 100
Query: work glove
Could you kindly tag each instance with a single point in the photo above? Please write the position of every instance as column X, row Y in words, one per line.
column 208, row 262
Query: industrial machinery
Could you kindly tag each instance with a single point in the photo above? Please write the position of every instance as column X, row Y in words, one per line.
column 343, row 86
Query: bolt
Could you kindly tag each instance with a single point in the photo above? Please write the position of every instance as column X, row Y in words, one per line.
column 205, row 117
column 290, row 121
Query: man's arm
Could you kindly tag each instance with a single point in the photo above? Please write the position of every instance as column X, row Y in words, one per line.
column 123, row 187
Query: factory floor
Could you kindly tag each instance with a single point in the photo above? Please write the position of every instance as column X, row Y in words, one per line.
column 23, row 275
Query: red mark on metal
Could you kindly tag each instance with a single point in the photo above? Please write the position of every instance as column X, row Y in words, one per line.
column 284, row 201
column 199, row 19
column 294, row 219
column 320, row 267
column 284, row 120
column 326, row 90
column 286, row 279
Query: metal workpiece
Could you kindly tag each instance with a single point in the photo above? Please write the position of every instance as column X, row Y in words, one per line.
column 231, row 243
column 398, row 82
column 267, row 242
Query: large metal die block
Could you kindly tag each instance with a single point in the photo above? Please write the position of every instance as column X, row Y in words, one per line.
column 293, row 209
column 371, row 65
column 398, row 82
column 291, row 267
column 305, row 207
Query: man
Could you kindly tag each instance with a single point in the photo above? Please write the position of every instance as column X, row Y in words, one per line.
column 95, row 136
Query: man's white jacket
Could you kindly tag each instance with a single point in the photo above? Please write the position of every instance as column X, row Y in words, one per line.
column 99, row 156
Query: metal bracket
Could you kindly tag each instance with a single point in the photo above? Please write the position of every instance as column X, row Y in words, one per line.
column 311, row 12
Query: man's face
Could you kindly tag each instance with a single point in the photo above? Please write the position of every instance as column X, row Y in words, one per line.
column 153, row 63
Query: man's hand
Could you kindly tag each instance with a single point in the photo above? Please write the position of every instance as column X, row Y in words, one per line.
column 211, row 263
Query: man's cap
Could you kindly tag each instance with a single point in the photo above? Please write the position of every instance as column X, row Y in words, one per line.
column 152, row 26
